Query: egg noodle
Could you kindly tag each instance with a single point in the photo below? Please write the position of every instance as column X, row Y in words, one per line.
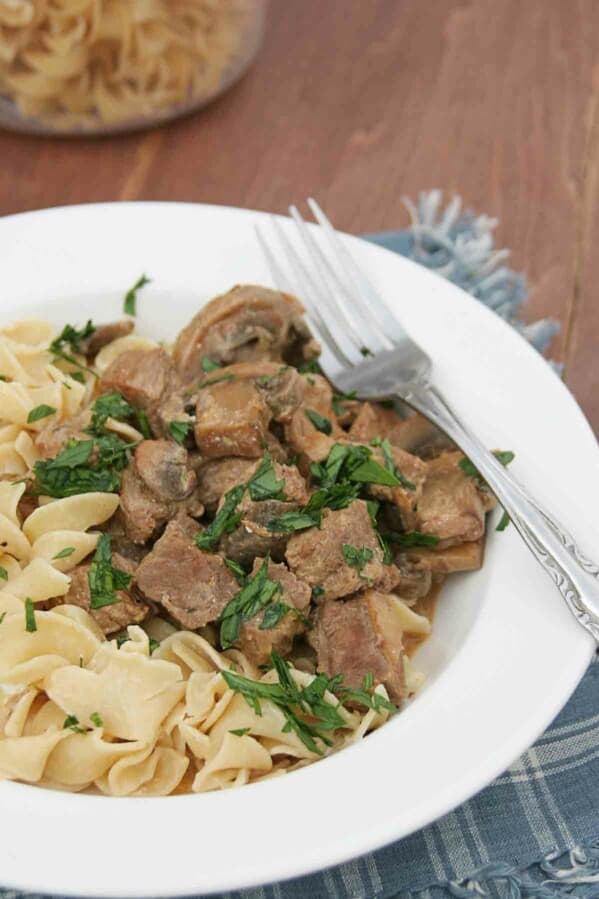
column 84, row 62
column 126, row 717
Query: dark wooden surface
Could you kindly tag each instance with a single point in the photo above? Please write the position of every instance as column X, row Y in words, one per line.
column 362, row 102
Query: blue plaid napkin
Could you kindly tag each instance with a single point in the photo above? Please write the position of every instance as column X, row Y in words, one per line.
column 534, row 832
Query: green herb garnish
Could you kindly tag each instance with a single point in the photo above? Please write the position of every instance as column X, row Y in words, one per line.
column 320, row 422
column 264, row 484
column 71, row 722
column 72, row 337
column 209, row 364
column 339, row 398
column 30, row 625
column 312, row 367
column 3, row 573
column 154, row 645
column 367, row 696
column 387, row 451
column 505, row 520
column 317, row 591
column 256, row 594
column 357, row 558
column 179, row 430
column 289, row 522
column 39, row 412
column 503, row 456
column 227, row 376
column 109, row 405
column 96, row 720
column 237, row 570
column 64, row 553
column 104, row 579
column 130, row 301
column 225, row 520
column 77, row 376
column 2, row 617
column 144, row 424
column 413, row 538
column 240, row 731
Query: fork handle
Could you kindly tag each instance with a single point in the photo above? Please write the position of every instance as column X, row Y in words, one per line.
column 575, row 576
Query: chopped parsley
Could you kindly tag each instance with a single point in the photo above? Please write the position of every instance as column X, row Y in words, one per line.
column 104, row 579
column 209, row 364
column 274, row 613
column 71, row 472
column 505, row 520
column 338, row 400
column 130, row 301
column 240, row 731
column 30, row 624
column 179, row 430
column 225, row 520
column 144, row 424
column 320, row 422
column 413, row 538
column 387, row 451
column 227, row 376
column 121, row 639
column 154, row 645
column 354, row 463
column 312, row 367
column 71, row 722
column 264, row 483
column 3, row 378
column 373, row 509
column 96, row 720
column 289, row 522
column 257, row 592
column 317, row 591
column 64, row 553
column 2, row 617
column 77, row 376
column 109, row 405
column 357, row 558
column 39, row 412
column 72, row 337
column 365, row 351
column 3, row 573
column 307, row 713
column 237, row 570
column 503, row 456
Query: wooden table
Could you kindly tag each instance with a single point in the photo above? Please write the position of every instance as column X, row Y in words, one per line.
column 362, row 101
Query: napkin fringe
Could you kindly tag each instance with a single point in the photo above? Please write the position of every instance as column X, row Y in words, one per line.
column 572, row 874
column 460, row 246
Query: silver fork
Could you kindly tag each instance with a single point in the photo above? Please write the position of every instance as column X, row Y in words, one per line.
column 366, row 349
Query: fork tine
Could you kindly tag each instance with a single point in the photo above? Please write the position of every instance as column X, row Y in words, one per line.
column 310, row 295
column 356, row 282
column 361, row 332
column 278, row 275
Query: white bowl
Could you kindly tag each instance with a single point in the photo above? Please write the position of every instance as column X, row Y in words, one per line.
column 505, row 653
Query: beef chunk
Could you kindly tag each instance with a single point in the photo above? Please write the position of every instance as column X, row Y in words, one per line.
column 420, row 436
column 463, row 557
column 144, row 377
column 406, row 498
column 216, row 476
column 130, row 610
column 245, row 324
column 361, row 636
column 232, row 419
column 141, row 512
column 317, row 557
column 105, row 334
column 191, row 585
column 159, row 484
column 415, row 582
column 373, row 420
column 53, row 438
column 252, row 537
column 450, row 506
column 164, row 468
column 258, row 644
column 302, row 435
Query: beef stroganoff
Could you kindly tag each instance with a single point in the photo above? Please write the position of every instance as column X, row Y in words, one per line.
column 213, row 568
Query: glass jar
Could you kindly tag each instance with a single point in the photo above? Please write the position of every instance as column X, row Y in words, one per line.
column 80, row 67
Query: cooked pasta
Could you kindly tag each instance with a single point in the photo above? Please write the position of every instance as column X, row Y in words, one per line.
column 80, row 62
column 190, row 601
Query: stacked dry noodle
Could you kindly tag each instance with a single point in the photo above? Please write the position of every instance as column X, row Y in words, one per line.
column 76, row 62
column 145, row 723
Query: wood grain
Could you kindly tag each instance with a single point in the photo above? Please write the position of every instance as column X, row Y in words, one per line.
column 360, row 103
